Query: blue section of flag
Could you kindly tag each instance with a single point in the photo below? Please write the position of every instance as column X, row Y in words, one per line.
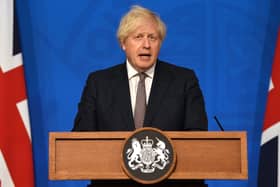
column 268, row 165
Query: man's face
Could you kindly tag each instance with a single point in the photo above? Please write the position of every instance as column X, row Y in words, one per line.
column 142, row 46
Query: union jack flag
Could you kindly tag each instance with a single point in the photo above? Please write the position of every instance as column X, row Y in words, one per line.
column 16, row 164
column 269, row 168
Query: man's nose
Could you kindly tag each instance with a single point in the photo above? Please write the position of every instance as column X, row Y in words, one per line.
column 146, row 43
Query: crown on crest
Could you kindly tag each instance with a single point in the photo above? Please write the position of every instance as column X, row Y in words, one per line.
column 147, row 143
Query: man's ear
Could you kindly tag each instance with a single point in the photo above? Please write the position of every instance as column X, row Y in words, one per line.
column 123, row 46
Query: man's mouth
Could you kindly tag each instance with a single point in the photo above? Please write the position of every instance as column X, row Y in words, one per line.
column 145, row 56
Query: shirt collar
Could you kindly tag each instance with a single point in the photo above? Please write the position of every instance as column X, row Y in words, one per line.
column 131, row 71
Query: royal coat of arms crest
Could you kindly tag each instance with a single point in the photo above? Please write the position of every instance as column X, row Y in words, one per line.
column 145, row 156
column 148, row 156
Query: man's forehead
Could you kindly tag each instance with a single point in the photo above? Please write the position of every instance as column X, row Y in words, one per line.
column 145, row 28
column 144, row 32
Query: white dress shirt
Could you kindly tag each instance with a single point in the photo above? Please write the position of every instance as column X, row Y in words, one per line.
column 133, row 79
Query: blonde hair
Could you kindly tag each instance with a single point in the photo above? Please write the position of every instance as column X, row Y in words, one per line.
column 129, row 22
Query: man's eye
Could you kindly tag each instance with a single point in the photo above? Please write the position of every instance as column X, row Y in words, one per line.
column 138, row 37
column 153, row 38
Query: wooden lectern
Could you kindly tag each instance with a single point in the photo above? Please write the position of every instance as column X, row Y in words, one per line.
column 97, row 156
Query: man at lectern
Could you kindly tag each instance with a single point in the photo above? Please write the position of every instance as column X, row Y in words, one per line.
column 143, row 91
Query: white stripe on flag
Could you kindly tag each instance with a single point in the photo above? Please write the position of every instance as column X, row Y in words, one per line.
column 24, row 113
column 7, row 61
column 5, row 177
column 270, row 133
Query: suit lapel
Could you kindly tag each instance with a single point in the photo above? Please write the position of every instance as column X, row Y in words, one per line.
column 122, row 93
column 161, row 82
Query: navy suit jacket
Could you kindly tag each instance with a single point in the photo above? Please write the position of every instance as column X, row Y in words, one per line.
column 175, row 103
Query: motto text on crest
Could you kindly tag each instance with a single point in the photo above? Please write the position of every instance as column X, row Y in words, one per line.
column 146, row 157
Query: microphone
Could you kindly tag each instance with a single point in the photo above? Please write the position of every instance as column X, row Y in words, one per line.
column 219, row 124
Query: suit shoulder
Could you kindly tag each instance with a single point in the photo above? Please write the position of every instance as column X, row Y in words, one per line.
column 177, row 70
column 107, row 72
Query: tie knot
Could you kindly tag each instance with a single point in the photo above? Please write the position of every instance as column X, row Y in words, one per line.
column 142, row 76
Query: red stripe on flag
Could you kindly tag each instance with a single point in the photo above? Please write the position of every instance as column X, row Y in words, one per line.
column 14, row 140
column 272, row 114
